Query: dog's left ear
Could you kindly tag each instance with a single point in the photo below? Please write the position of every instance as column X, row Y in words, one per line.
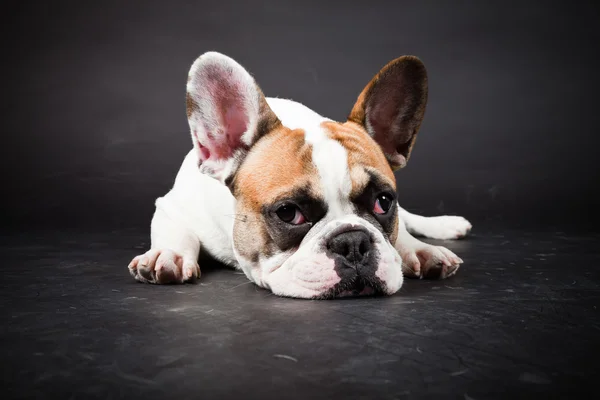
column 227, row 113
column 391, row 107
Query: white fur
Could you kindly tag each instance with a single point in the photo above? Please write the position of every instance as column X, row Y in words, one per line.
column 442, row 227
column 331, row 160
column 295, row 115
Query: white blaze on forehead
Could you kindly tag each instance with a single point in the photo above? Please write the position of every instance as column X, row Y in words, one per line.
column 328, row 155
column 331, row 160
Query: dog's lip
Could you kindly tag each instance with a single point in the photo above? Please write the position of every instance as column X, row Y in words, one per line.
column 366, row 290
column 360, row 288
column 357, row 287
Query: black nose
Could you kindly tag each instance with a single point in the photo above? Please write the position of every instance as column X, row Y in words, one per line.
column 353, row 246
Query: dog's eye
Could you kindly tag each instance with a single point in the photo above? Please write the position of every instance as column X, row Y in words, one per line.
column 383, row 204
column 291, row 214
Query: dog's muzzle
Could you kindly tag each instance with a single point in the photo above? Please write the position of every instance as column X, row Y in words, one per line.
column 356, row 259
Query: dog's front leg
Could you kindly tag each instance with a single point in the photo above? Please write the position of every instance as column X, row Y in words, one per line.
column 422, row 260
column 173, row 254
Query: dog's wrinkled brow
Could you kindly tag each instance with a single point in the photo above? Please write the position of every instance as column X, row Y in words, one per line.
column 374, row 183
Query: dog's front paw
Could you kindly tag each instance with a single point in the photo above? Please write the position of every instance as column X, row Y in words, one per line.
column 430, row 262
column 163, row 266
column 445, row 227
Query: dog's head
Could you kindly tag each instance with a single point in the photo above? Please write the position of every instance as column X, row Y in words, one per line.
column 316, row 213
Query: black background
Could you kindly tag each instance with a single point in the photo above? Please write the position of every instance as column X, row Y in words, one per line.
column 94, row 126
column 94, row 129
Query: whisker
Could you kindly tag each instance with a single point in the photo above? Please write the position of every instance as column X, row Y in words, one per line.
column 241, row 284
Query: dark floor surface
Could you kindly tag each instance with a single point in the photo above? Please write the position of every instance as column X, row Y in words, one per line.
column 520, row 320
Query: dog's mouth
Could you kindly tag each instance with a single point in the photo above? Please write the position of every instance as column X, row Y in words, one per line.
column 358, row 287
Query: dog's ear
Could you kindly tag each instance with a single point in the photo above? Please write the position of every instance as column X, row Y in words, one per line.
column 391, row 107
column 227, row 113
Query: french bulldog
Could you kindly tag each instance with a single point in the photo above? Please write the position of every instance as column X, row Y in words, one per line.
column 305, row 206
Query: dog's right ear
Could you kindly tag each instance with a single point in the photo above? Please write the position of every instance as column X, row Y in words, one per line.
column 391, row 108
column 227, row 113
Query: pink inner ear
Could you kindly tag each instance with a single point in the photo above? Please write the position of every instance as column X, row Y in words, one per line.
column 236, row 122
column 222, row 140
column 204, row 151
column 218, row 148
column 221, row 146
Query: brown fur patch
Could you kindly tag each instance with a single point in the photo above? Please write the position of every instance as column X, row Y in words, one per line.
column 394, row 234
column 279, row 163
column 363, row 152
column 190, row 105
column 249, row 234
column 267, row 120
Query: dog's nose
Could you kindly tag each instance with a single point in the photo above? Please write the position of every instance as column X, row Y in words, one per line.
column 352, row 246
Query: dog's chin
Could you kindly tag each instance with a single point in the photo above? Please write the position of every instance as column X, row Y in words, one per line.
column 358, row 287
column 366, row 291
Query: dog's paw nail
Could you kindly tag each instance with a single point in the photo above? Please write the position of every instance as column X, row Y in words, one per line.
column 451, row 271
column 190, row 272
